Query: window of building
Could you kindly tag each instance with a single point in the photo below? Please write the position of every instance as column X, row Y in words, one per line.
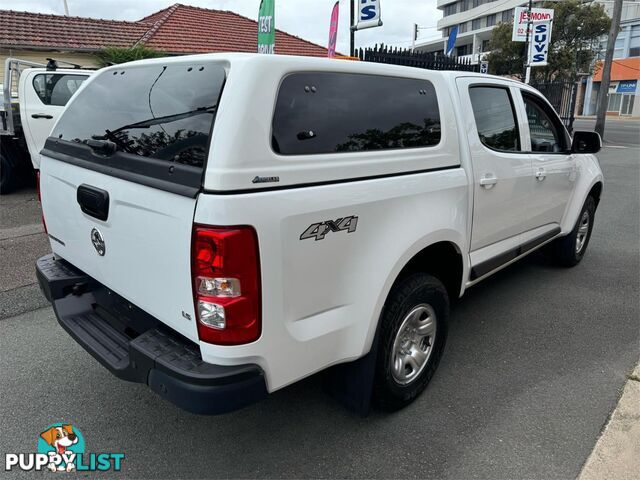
column 56, row 89
column 495, row 118
column 462, row 50
column 476, row 24
column 324, row 112
column 485, row 45
column 491, row 20
column 615, row 100
column 507, row 16
column 462, row 28
column 634, row 41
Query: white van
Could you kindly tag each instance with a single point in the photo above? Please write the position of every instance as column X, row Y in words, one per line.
column 225, row 225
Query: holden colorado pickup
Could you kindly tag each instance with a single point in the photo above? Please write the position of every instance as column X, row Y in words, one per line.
column 28, row 114
column 225, row 225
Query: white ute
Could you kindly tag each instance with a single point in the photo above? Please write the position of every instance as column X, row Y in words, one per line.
column 225, row 225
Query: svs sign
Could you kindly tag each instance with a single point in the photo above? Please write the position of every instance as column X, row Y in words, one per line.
column 368, row 14
column 539, row 46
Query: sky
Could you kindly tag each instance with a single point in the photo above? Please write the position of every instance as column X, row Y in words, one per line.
column 305, row 18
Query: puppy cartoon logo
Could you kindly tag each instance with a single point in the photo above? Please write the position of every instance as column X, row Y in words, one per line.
column 61, row 448
column 60, row 438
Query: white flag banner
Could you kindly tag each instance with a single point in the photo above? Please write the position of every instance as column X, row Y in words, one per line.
column 539, row 44
column 521, row 21
column 368, row 14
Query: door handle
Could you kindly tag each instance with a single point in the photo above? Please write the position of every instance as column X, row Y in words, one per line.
column 488, row 181
column 42, row 115
column 541, row 174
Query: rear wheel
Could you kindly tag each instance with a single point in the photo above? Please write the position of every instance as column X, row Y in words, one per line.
column 8, row 175
column 569, row 250
column 412, row 337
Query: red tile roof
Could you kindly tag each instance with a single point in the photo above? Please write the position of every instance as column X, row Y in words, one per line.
column 186, row 29
column 178, row 29
column 24, row 29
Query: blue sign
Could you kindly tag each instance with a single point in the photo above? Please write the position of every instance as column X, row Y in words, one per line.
column 452, row 40
column 627, row 86
column 368, row 14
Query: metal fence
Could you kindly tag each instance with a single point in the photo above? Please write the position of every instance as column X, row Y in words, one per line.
column 562, row 96
column 408, row 58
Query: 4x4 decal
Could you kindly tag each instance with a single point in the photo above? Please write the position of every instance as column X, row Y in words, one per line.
column 320, row 230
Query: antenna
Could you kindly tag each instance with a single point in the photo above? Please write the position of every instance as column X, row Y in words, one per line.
column 66, row 8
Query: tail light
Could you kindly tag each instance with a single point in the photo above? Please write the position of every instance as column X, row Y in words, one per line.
column 226, row 284
column 44, row 224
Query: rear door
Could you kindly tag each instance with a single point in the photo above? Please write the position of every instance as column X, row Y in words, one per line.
column 501, row 169
column 43, row 96
column 120, row 177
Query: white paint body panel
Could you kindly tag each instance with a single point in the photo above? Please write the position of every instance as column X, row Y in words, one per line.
column 321, row 300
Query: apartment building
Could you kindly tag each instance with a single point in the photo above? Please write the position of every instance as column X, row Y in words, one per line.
column 476, row 19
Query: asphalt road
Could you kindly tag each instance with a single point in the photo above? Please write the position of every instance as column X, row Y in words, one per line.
column 533, row 367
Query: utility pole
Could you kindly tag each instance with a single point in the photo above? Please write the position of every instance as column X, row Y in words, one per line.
column 352, row 31
column 603, row 93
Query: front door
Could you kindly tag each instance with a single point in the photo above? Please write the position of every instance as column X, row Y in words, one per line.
column 43, row 96
column 554, row 167
column 501, row 170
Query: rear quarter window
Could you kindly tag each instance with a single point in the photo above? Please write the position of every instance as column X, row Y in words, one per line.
column 324, row 112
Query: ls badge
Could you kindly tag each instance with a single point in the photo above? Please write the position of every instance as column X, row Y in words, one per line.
column 320, row 230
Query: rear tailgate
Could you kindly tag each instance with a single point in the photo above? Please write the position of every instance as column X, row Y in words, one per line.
column 120, row 177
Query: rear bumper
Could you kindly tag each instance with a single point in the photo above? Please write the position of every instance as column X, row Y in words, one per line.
column 134, row 346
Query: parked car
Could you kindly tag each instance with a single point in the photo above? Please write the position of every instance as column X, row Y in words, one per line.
column 225, row 225
column 32, row 97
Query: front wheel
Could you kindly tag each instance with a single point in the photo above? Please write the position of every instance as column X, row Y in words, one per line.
column 569, row 250
column 412, row 337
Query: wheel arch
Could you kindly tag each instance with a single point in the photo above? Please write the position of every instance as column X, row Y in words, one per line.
column 434, row 257
column 443, row 260
column 596, row 191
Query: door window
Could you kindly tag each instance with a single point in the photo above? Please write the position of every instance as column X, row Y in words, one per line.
column 56, row 89
column 495, row 118
column 546, row 131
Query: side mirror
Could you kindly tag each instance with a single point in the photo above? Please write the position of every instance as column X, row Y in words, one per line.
column 586, row 142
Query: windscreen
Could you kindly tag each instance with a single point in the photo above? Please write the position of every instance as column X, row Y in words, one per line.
column 161, row 112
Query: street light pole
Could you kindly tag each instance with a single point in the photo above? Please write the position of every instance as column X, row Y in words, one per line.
column 527, row 67
column 352, row 31
column 603, row 93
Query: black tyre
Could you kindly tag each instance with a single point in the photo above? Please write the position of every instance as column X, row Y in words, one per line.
column 413, row 332
column 8, row 176
column 567, row 251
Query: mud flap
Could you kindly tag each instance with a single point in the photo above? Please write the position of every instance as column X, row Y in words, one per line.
column 351, row 383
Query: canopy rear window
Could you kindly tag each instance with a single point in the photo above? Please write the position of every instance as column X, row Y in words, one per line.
column 144, row 119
